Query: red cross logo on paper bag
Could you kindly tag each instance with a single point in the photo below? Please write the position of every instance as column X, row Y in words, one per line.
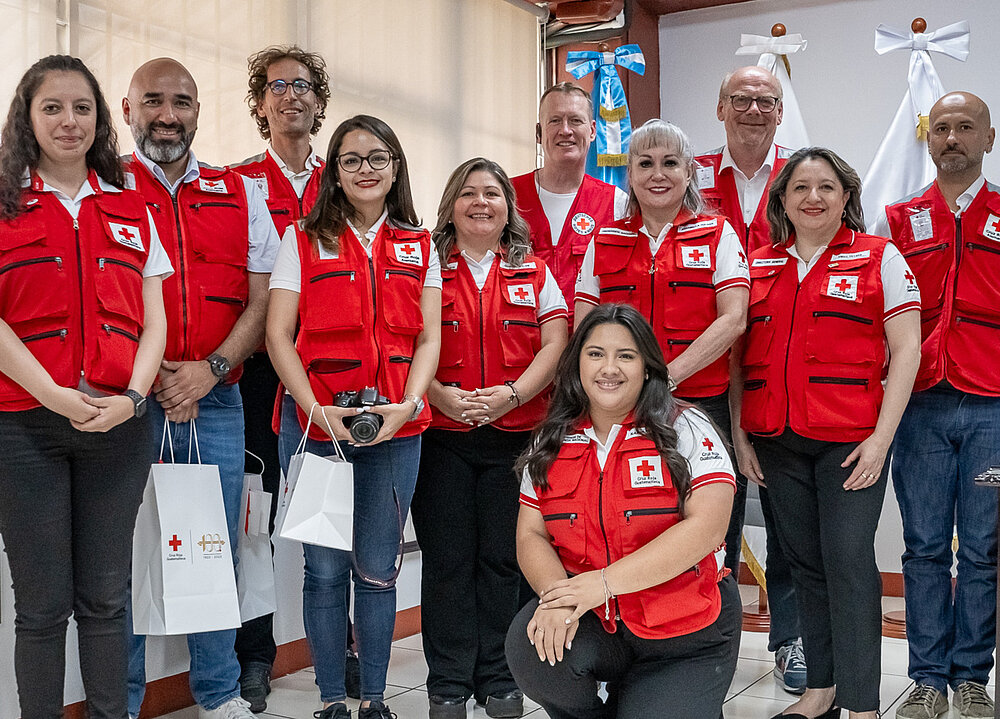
column 582, row 223
column 175, row 543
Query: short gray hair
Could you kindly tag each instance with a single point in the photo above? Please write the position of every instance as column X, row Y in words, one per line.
column 660, row 133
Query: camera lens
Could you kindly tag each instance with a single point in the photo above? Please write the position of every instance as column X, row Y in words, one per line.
column 365, row 426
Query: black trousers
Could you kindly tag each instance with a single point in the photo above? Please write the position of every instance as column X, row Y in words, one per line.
column 259, row 386
column 68, row 502
column 828, row 535
column 683, row 677
column 465, row 515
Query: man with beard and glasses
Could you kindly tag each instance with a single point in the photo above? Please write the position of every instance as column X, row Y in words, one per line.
column 949, row 233
column 216, row 228
column 289, row 91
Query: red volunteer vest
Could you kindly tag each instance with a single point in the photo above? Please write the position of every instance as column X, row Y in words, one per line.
column 491, row 336
column 814, row 353
column 593, row 208
column 959, row 286
column 71, row 290
column 344, row 343
column 721, row 196
column 205, row 232
column 596, row 518
column 674, row 290
column 285, row 206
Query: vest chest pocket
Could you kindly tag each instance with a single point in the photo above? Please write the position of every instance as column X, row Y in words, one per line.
column 118, row 283
column 978, row 286
column 832, row 336
column 398, row 290
column 217, row 231
column 564, row 504
column 332, row 299
column 454, row 332
column 33, row 278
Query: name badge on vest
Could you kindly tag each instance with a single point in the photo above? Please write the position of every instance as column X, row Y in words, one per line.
column 992, row 228
column 633, row 433
column 696, row 258
column 129, row 181
column 850, row 256
column 408, row 253
column 127, row 235
column 576, row 439
column 645, row 472
column 705, row 177
column 843, row 287
column 769, row 261
column 523, row 295
column 923, row 228
column 216, row 186
column 583, row 224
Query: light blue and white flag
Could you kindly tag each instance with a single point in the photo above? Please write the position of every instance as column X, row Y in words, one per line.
column 609, row 153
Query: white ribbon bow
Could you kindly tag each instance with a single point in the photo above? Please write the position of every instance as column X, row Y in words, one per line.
column 759, row 44
column 951, row 40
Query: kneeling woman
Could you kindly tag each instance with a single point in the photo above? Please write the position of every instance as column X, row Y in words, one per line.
column 624, row 507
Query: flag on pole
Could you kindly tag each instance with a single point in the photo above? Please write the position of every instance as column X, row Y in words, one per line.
column 792, row 130
column 608, row 154
column 902, row 165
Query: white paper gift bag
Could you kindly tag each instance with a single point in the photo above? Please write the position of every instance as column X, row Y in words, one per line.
column 183, row 580
column 317, row 503
column 255, row 570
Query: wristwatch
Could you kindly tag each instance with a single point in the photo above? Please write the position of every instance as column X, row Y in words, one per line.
column 220, row 366
column 418, row 405
column 138, row 401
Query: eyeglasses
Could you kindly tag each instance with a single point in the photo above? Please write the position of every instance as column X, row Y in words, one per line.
column 377, row 160
column 279, row 87
column 765, row 103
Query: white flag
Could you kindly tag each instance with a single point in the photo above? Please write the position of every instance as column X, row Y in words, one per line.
column 902, row 165
column 792, row 130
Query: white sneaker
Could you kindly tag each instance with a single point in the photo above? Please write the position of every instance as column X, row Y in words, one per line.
column 235, row 708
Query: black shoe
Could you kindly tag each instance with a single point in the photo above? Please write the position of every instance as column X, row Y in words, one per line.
column 255, row 685
column 505, row 706
column 375, row 710
column 447, row 707
column 352, row 675
column 334, row 711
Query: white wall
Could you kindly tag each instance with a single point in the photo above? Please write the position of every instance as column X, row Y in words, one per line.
column 847, row 92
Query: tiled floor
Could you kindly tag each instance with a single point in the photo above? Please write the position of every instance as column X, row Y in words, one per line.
column 753, row 695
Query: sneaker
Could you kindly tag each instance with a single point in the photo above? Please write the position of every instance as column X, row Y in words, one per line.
column 235, row 708
column 445, row 707
column 375, row 710
column 790, row 667
column 505, row 706
column 924, row 702
column 255, row 685
column 972, row 701
column 334, row 711
column 352, row 675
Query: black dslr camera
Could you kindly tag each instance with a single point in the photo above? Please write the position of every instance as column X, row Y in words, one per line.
column 363, row 426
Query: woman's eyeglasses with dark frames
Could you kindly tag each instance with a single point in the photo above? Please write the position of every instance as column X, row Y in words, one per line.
column 377, row 160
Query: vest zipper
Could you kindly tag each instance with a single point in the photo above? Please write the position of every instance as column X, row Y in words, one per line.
column 79, row 274
column 519, row 323
column 450, row 323
column 982, row 323
column 199, row 205
column 328, row 275
column 378, row 350
column 791, row 330
column 629, row 513
column 679, row 283
column 119, row 331
column 33, row 261
column 600, row 519
column 985, row 248
column 923, row 250
column 571, row 516
column 45, row 335
column 843, row 316
column 618, row 288
column 482, row 346
column 183, row 278
column 860, row 381
column 101, row 261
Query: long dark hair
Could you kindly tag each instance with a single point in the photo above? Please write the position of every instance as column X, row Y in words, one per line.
column 781, row 227
column 654, row 413
column 19, row 150
column 515, row 240
column 328, row 217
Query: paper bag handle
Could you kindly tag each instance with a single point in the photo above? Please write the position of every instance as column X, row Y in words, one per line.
column 168, row 440
column 164, row 437
column 305, row 435
column 262, row 465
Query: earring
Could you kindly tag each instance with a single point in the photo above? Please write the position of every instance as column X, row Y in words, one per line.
column 843, row 215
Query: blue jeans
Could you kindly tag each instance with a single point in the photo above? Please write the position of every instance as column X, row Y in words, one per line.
column 215, row 673
column 944, row 440
column 378, row 470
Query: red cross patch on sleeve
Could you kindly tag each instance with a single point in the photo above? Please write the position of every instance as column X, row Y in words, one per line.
column 645, row 471
column 408, row 253
column 522, row 295
column 127, row 235
column 843, row 287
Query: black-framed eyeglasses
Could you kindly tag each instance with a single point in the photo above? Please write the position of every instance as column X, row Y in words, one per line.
column 280, row 87
column 376, row 159
column 765, row 103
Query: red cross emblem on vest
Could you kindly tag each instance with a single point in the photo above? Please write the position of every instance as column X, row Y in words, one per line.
column 582, row 223
column 843, row 287
column 408, row 253
column 992, row 228
column 127, row 235
column 696, row 258
column 645, row 472
column 523, row 295
column 175, row 543
column 645, row 468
